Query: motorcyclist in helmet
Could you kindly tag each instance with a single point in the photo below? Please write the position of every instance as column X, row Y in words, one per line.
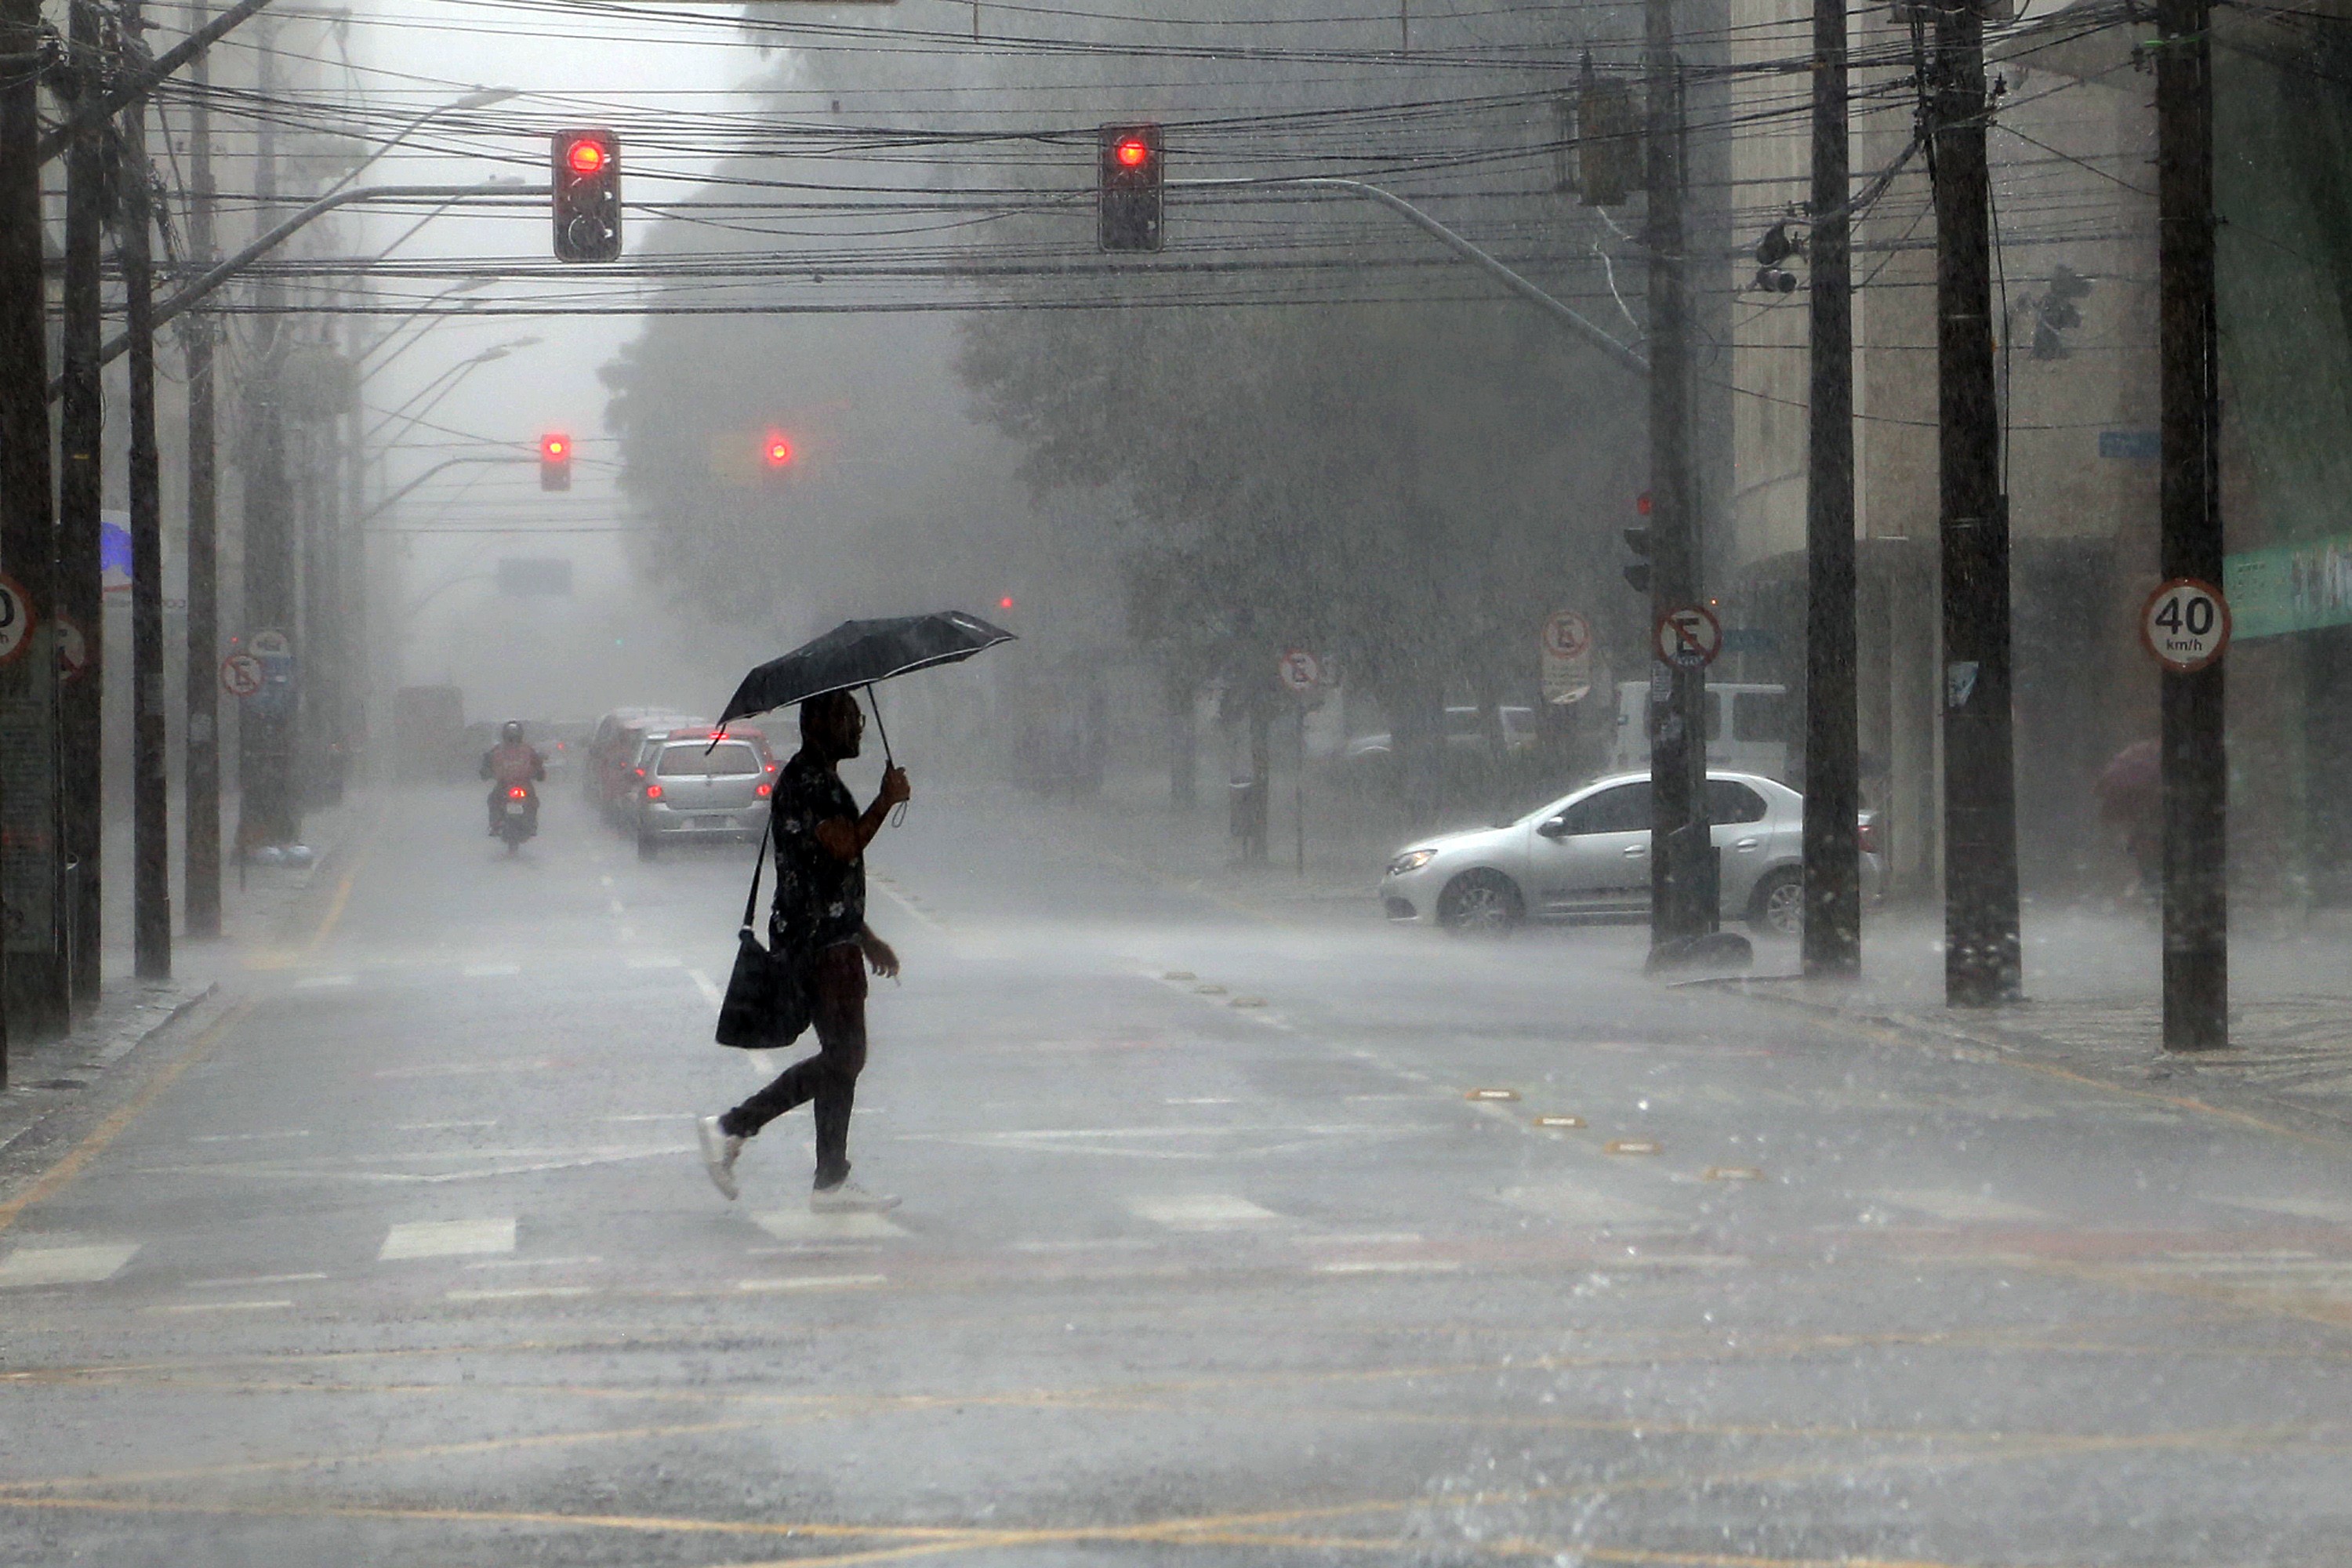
column 513, row 763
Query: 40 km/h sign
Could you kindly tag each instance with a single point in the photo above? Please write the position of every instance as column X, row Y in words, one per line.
column 2185, row 624
column 1688, row 637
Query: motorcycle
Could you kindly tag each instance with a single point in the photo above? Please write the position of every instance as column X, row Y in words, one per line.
column 518, row 817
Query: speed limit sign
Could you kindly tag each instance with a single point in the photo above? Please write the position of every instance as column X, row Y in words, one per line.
column 16, row 621
column 2185, row 624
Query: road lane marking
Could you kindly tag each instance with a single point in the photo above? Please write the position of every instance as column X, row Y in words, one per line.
column 814, row 1282
column 456, row 1069
column 108, row 1130
column 521, row 1293
column 325, row 981
column 652, row 963
column 1392, row 1266
column 1965, row 1208
column 249, row 1282
column 440, row 1126
column 342, row 900
column 1581, row 1204
column 709, row 988
column 77, row 1265
column 223, row 1307
column 920, row 916
column 447, row 1239
column 1202, row 1211
column 801, row 1224
column 490, row 971
column 248, row 1137
column 2332, row 1211
column 579, row 1262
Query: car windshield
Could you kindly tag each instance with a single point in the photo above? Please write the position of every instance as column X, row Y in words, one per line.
column 700, row 757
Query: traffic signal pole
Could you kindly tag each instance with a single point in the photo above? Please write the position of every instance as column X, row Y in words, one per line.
column 1684, row 901
column 200, row 869
column 1833, row 849
column 27, row 523
column 81, row 498
column 267, row 808
column 1981, row 949
column 2195, row 759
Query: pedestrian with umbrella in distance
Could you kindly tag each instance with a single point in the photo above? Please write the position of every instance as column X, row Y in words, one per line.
column 812, row 972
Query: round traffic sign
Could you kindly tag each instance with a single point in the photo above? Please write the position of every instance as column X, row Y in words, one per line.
column 16, row 621
column 2185, row 624
column 1567, row 635
column 1300, row 670
column 240, row 675
column 1687, row 637
column 73, row 650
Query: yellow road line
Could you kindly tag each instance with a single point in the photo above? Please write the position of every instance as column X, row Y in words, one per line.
column 95, row 1143
column 336, row 905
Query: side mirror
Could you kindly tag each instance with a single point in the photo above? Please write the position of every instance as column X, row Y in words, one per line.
column 1557, row 827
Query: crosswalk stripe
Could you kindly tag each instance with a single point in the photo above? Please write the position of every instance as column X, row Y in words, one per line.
column 448, row 1238
column 799, row 1225
column 78, row 1265
column 1200, row 1211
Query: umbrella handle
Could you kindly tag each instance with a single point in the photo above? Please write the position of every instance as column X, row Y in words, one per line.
column 887, row 760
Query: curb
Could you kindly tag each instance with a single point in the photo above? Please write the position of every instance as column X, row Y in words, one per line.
column 81, row 1061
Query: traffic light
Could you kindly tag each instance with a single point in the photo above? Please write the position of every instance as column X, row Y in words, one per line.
column 1127, row 191
column 554, row 461
column 586, row 182
column 776, row 451
column 1637, row 540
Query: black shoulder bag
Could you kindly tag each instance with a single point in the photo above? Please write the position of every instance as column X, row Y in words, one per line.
column 767, row 1001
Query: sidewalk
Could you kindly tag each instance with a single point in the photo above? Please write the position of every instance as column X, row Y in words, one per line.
column 2094, row 1005
column 48, row 1076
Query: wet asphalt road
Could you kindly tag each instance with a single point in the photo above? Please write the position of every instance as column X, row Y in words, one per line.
column 1212, row 1252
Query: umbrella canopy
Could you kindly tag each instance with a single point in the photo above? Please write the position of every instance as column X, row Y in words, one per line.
column 859, row 653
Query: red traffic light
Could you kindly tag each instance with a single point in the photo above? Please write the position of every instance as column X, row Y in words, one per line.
column 1132, row 153
column 555, row 449
column 777, row 449
column 1005, row 603
column 1642, row 503
column 587, row 156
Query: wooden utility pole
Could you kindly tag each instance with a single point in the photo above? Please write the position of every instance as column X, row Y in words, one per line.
column 1832, row 937
column 25, row 515
column 268, row 810
column 82, row 462
column 2196, row 773
column 1684, row 901
column 200, row 870
column 1980, row 906
column 151, row 851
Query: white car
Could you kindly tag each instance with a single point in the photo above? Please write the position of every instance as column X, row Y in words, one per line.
column 1586, row 856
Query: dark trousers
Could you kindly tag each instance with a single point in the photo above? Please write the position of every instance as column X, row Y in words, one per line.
column 837, row 999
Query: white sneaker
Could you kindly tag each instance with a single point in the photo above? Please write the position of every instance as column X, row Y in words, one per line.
column 719, row 1152
column 849, row 1198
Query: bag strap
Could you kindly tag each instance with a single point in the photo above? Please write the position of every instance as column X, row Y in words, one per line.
column 758, row 864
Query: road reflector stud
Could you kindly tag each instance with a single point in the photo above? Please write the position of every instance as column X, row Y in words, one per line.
column 1731, row 1173
column 1492, row 1094
column 1559, row 1120
column 1209, row 990
column 1179, row 975
column 1247, row 1002
column 1629, row 1146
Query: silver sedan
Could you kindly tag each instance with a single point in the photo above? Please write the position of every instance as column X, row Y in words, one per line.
column 1586, row 856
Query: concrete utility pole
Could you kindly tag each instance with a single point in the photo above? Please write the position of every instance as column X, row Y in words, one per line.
column 80, row 495
column 1980, row 912
column 26, row 518
column 200, row 870
column 267, row 811
column 1832, row 937
column 1684, row 902
column 2196, row 773
column 150, row 862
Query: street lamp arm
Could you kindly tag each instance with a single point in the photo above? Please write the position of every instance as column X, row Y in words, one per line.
column 1625, row 356
column 205, row 285
column 90, row 116
column 444, row 464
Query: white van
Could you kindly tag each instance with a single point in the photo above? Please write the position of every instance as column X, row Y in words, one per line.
column 1748, row 728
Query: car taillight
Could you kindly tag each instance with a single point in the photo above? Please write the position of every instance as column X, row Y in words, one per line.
column 640, row 772
column 514, row 795
column 765, row 791
column 653, row 792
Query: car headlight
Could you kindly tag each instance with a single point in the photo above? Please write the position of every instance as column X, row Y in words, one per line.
column 1410, row 860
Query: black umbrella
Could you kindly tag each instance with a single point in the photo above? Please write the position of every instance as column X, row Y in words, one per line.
column 859, row 653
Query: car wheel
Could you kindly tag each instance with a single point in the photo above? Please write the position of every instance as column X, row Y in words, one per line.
column 1778, row 907
column 1480, row 903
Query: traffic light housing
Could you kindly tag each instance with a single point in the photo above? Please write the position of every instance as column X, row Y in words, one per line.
column 554, row 461
column 1637, row 540
column 585, row 177
column 1126, row 187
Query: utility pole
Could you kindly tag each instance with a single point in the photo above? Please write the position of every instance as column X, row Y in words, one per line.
column 1980, row 911
column 200, row 870
column 1684, row 902
column 151, row 857
column 266, row 808
column 1833, row 935
column 26, row 518
column 80, row 498
column 2196, row 777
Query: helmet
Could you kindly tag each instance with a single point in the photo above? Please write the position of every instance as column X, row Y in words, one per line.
column 513, row 732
